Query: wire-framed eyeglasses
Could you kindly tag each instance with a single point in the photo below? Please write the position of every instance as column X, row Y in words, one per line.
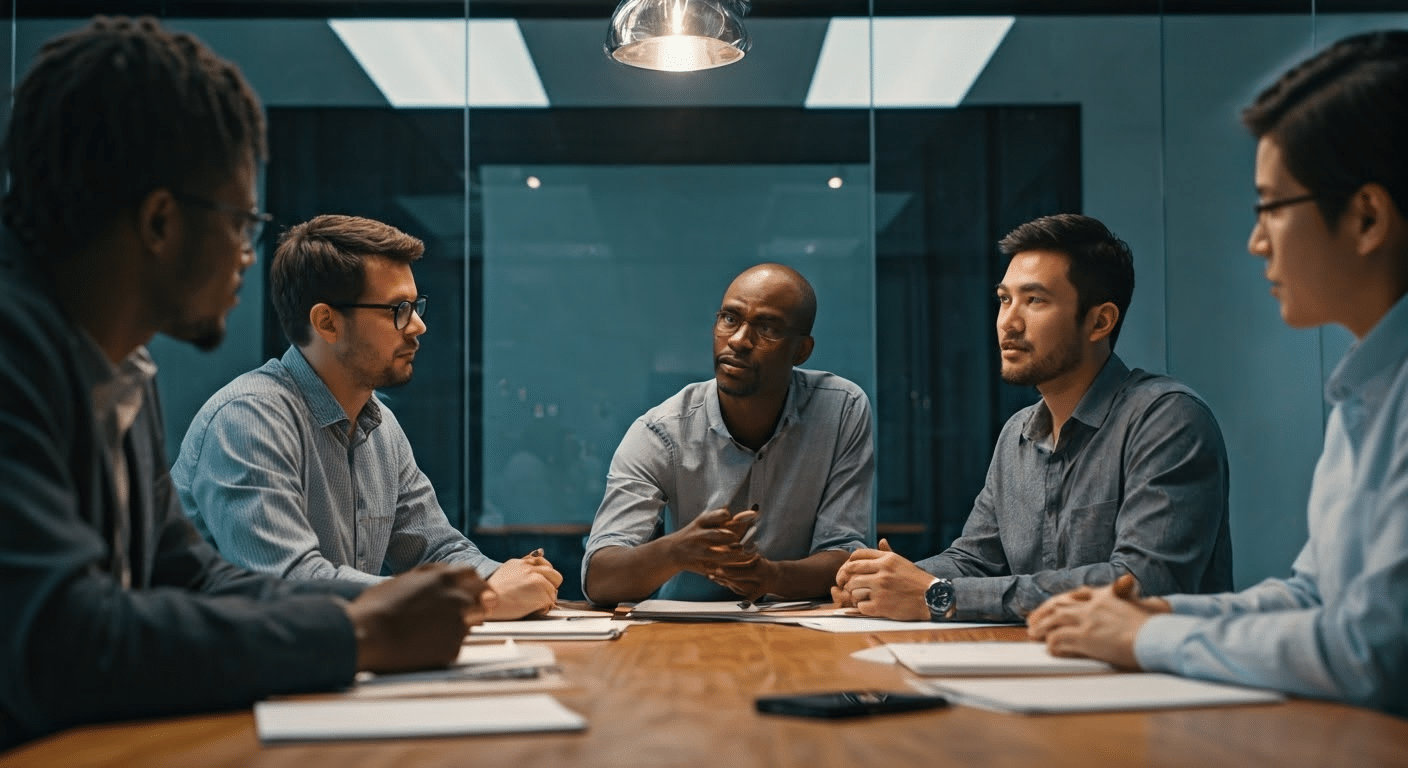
column 253, row 219
column 727, row 323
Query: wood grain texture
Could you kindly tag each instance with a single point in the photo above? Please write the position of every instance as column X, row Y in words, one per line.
column 682, row 695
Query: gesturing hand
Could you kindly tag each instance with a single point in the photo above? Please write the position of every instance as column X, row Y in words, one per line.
column 419, row 619
column 708, row 541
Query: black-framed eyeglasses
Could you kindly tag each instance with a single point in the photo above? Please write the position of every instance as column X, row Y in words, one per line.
column 1281, row 202
column 727, row 323
column 253, row 218
column 400, row 313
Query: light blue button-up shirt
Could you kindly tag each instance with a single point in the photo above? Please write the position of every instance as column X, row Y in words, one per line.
column 1338, row 627
column 269, row 476
column 811, row 480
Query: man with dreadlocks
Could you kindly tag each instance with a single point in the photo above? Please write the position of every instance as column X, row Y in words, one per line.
column 132, row 154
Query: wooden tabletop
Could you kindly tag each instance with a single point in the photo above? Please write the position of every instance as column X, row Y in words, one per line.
column 682, row 695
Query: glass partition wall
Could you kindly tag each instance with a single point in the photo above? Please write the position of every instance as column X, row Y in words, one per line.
column 582, row 219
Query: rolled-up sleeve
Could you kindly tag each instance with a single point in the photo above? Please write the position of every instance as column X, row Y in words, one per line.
column 843, row 517
column 635, row 493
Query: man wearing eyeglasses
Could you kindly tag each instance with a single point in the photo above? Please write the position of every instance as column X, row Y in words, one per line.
column 296, row 468
column 132, row 154
column 1332, row 175
column 754, row 483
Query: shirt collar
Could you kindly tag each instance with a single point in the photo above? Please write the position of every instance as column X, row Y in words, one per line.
column 791, row 409
column 116, row 389
column 1094, row 405
column 1374, row 359
column 325, row 408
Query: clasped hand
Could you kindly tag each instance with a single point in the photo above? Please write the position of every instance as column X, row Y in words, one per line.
column 878, row 582
column 712, row 545
column 1095, row 622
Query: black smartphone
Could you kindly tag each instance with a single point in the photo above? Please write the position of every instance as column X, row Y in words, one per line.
column 847, row 703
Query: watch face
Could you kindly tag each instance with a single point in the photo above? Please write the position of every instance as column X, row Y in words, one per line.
column 939, row 596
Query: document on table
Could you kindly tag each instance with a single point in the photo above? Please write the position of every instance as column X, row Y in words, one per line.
column 595, row 628
column 339, row 719
column 786, row 612
column 997, row 658
column 1094, row 693
column 848, row 623
column 481, row 668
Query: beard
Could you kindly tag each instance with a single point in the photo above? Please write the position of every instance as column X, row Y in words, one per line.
column 735, row 387
column 372, row 373
column 1040, row 370
column 204, row 335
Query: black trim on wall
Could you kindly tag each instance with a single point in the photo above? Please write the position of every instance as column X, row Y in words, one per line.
column 588, row 9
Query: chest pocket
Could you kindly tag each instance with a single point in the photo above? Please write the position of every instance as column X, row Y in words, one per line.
column 1087, row 534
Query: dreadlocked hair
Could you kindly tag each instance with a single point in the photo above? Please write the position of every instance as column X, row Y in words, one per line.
column 111, row 112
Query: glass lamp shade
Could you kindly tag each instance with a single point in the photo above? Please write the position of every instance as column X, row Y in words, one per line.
column 678, row 35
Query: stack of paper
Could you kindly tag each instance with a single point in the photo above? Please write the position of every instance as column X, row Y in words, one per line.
column 1095, row 693
column 596, row 628
column 789, row 612
column 989, row 659
column 481, row 668
column 322, row 719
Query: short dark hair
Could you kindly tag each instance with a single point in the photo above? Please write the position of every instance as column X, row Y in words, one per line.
column 113, row 111
column 322, row 261
column 1100, row 265
column 1340, row 119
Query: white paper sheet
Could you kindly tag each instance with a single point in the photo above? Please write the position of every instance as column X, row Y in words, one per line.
column 862, row 624
column 321, row 720
column 966, row 658
column 1094, row 693
column 599, row 628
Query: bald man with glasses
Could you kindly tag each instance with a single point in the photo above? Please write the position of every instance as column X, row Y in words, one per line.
column 756, row 482
column 296, row 468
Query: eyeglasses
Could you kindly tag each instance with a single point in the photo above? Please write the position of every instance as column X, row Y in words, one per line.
column 400, row 313
column 254, row 219
column 1282, row 202
column 727, row 323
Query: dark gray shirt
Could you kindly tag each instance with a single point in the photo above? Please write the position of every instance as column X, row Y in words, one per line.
column 1138, row 484
column 811, row 479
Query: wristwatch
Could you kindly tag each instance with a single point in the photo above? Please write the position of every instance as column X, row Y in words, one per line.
column 939, row 596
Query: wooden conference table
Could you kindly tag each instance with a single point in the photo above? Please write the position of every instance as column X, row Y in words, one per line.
column 682, row 695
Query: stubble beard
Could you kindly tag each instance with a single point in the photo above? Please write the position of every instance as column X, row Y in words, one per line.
column 1059, row 361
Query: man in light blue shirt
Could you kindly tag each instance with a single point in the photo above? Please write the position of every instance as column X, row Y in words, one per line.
column 295, row 468
column 1332, row 175
column 792, row 444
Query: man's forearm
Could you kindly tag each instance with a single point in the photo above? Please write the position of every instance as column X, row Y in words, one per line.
column 629, row 574
column 812, row 576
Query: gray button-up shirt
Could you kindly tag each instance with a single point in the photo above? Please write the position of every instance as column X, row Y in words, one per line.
column 811, row 480
column 1138, row 484
column 270, row 477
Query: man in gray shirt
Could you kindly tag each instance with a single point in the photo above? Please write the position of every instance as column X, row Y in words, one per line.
column 296, row 469
column 791, row 444
column 1114, row 471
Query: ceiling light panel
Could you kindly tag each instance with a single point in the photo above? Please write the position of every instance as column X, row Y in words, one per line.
column 918, row 62
column 420, row 63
